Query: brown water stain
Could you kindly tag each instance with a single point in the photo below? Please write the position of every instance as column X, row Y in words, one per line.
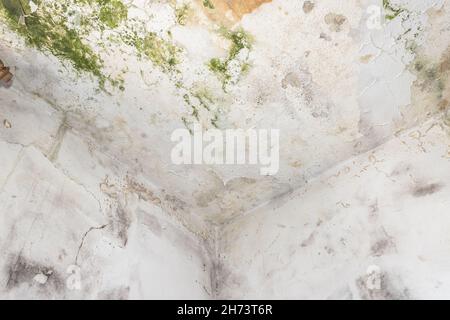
column 431, row 87
column 335, row 21
column 308, row 6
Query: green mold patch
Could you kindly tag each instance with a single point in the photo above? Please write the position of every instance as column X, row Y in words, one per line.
column 47, row 28
column 161, row 52
column 214, row 121
column 15, row 8
column 230, row 69
column 220, row 68
column 204, row 98
column 208, row 4
column 187, row 124
column 240, row 40
column 202, row 105
column 109, row 13
column 430, row 77
column 112, row 12
column 432, row 82
column 391, row 10
column 195, row 111
column 197, row 100
column 182, row 13
column 42, row 30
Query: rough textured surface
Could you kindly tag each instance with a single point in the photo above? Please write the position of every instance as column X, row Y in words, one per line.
column 387, row 208
column 101, row 84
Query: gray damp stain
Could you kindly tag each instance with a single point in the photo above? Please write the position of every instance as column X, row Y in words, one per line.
column 205, row 198
column 325, row 37
column 174, row 203
column 151, row 222
column 22, row 271
column 381, row 247
column 388, row 289
column 314, row 100
column 291, row 79
column 383, row 244
column 119, row 224
column 401, row 169
column 374, row 211
column 222, row 277
column 426, row 189
column 119, row 293
column 310, row 240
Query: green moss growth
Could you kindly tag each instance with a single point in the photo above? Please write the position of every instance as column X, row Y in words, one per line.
column 161, row 52
column 16, row 8
column 430, row 76
column 204, row 97
column 112, row 12
column 240, row 40
column 208, row 4
column 187, row 125
column 181, row 14
column 391, row 11
column 220, row 68
column 202, row 104
column 42, row 31
column 214, row 121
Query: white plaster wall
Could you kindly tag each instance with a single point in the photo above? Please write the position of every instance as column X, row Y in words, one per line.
column 64, row 234
column 333, row 93
column 385, row 210
column 88, row 172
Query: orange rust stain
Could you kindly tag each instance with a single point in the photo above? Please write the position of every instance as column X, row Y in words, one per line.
column 231, row 11
column 242, row 7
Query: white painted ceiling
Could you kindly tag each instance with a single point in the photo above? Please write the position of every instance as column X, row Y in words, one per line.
column 335, row 85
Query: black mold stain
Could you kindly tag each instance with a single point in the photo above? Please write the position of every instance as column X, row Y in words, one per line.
column 383, row 244
column 222, row 278
column 22, row 271
column 381, row 247
column 121, row 224
column 425, row 190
